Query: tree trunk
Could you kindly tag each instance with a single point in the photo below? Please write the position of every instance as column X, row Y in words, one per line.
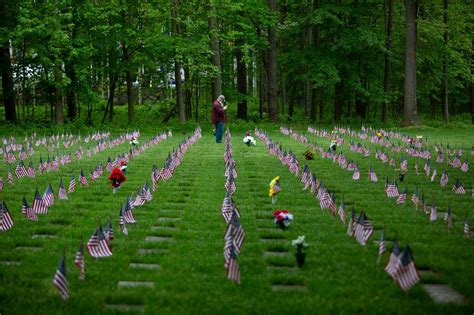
column 130, row 104
column 71, row 89
column 272, row 67
column 388, row 51
column 445, row 64
column 472, row 100
column 338, row 101
column 321, row 105
column 58, row 78
column 216, row 55
column 241, row 82
column 177, row 64
column 410, row 114
column 188, row 93
column 7, row 82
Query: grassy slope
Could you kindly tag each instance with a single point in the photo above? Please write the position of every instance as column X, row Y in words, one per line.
column 341, row 276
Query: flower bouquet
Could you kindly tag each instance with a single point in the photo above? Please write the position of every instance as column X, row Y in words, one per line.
column 300, row 243
column 283, row 218
column 249, row 140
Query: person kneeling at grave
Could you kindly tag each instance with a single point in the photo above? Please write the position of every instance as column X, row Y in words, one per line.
column 117, row 178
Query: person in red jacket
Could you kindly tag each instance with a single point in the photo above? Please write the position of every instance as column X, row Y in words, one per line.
column 117, row 178
column 219, row 116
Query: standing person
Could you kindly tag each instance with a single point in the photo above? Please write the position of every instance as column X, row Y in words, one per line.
column 219, row 116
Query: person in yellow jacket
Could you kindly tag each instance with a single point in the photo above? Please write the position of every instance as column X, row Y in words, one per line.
column 274, row 189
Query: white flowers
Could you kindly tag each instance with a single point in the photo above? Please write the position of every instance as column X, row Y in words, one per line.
column 249, row 140
column 299, row 242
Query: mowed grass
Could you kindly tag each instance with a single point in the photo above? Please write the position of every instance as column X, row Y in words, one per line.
column 339, row 276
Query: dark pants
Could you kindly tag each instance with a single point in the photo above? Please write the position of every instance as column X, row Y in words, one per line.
column 219, row 131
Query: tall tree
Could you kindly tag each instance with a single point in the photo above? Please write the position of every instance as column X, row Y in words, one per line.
column 445, row 63
column 7, row 17
column 388, row 50
column 272, row 66
column 241, row 81
column 177, row 63
column 215, row 48
column 410, row 113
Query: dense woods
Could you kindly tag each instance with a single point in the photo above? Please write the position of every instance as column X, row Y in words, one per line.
column 316, row 60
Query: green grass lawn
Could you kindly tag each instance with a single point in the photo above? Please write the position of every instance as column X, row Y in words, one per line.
column 339, row 276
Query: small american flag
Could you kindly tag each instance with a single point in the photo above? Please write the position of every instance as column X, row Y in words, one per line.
column 39, row 206
column 332, row 204
column 392, row 262
column 467, row 229
column 227, row 208
column 382, row 243
column 356, row 175
column 465, row 166
column 48, row 196
column 402, row 198
column 97, row 246
column 234, row 232
column 6, row 220
column 444, row 178
column 147, row 196
column 62, row 194
column 230, row 185
column 372, row 175
column 80, row 262
column 458, row 188
column 406, row 274
column 139, row 201
column 414, row 198
column 20, row 170
column 83, row 179
column 341, row 212
column 60, row 279
column 72, row 185
column 427, row 168
column 433, row 176
column 233, row 271
column 109, row 231
column 363, row 229
column 27, row 211
column 433, row 212
column 392, row 189
column 10, row 175
column 416, row 168
column 1, row 183
column 31, row 170
column 352, row 221
column 128, row 213
column 448, row 218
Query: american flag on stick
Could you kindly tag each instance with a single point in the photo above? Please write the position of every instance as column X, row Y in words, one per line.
column 97, row 246
column 458, row 188
column 83, row 179
column 448, row 218
column 433, row 212
column 20, row 170
column 48, row 196
column 227, row 208
column 31, row 170
column 467, row 229
column 352, row 221
column 10, row 175
column 406, row 274
column 234, row 235
column 444, row 178
column 28, row 211
column 392, row 262
column 363, row 229
column 414, row 198
column 6, row 220
column 402, row 198
column 62, row 194
column 72, row 185
column 233, row 271
column 392, row 189
column 342, row 212
column 60, row 279
column 39, row 205
column 128, row 213
column 80, row 262
column 372, row 175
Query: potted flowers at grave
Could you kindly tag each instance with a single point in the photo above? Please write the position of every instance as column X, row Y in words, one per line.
column 300, row 243
column 283, row 218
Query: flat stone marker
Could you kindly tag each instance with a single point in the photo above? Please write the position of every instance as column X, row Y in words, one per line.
column 31, row 248
column 144, row 266
column 161, row 228
column 442, row 293
column 168, row 219
column 144, row 251
column 264, row 239
column 281, row 268
column 426, row 273
column 44, row 236
column 135, row 284
column 288, row 287
column 10, row 263
column 266, row 229
column 158, row 239
column 265, row 213
column 125, row 308
column 276, row 254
